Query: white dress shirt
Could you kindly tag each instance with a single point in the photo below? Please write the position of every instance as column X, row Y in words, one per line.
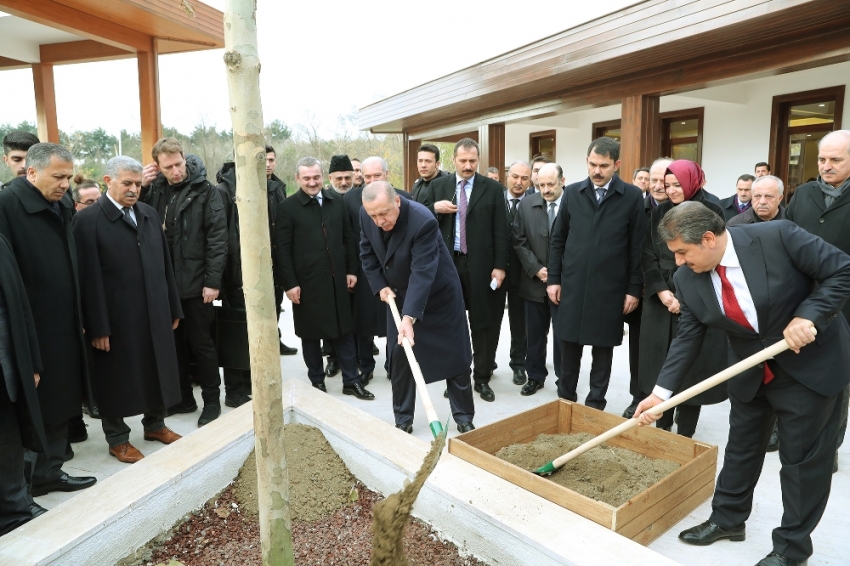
column 121, row 208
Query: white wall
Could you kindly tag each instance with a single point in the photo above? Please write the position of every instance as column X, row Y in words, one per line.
column 736, row 132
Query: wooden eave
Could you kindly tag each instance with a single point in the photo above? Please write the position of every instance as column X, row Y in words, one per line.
column 653, row 47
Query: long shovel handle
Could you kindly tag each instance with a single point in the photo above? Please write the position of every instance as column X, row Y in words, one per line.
column 433, row 420
column 688, row 393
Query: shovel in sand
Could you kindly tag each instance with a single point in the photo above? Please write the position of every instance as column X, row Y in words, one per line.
column 689, row 393
column 433, row 421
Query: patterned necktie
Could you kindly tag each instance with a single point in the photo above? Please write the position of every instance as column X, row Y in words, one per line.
column 126, row 210
column 514, row 203
column 551, row 215
column 734, row 311
column 463, row 203
column 600, row 193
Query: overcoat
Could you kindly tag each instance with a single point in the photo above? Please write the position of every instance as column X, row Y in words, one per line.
column 530, row 240
column 128, row 294
column 658, row 326
column 487, row 239
column 749, row 216
column 47, row 257
column 421, row 273
column 595, row 255
column 315, row 250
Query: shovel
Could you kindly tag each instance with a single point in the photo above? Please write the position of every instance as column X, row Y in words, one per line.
column 433, row 420
column 688, row 393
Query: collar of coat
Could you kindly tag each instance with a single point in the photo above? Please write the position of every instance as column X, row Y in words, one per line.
column 33, row 202
column 114, row 213
column 304, row 198
column 617, row 185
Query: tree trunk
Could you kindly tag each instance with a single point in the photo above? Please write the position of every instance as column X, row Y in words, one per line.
column 243, row 77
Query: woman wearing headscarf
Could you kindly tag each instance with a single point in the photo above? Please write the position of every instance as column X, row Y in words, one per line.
column 683, row 182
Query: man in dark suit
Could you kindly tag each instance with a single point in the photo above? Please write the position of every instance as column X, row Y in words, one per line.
column 471, row 211
column 594, row 268
column 741, row 201
column 428, row 165
column 760, row 283
column 530, row 240
column 403, row 257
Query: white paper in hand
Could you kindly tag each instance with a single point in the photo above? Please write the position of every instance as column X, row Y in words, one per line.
column 494, row 284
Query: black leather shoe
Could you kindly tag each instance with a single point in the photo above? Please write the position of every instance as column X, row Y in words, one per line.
column 520, row 377
column 774, row 559
column 375, row 350
column 287, row 351
column 321, row 387
column 405, row 428
column 446, row 393
column 182, row 407
column 530, row 388
column 210, row 413
column 332, row 368
column 630, row 411
column 485, row 391
column 64, row 483
column 707, row 533
column 773, row 443
column 465, row 427
column 236, row 400
column 36, row 510
column 358, row 391
column 365, row 378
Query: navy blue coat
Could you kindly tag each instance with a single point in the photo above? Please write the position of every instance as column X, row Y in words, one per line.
column 417, row 266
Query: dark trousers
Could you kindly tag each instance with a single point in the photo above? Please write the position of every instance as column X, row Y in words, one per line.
column 117, row 432
column 808, row 432
column 538, row 319
column 47, row 466
column 194, row 334
column 600, row 373
column 14, row 500
column 516, row 321
column 633, row 320
column 365, row 357
column 404, row 392
column 238, row 381
column 687, row 419
column 484, row 340
column 346, row 356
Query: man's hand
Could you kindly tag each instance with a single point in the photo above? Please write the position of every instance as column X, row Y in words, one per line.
column 351, row 281
column 669, row 300
column 210, row 295
column 798, row 333
column 648, row 403
column 498, row 275
column 175, row 323
column 149, row 173
column 101, row 343
column 630, row 304
column 543, row 274
column 37, row 378
column 294, row 295
column 386, row 293
column 406, row 330
column 444, row 207
column 554, row 292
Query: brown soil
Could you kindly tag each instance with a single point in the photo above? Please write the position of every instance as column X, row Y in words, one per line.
column 608, row 474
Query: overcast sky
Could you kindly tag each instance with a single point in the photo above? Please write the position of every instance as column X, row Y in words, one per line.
column 321, row 59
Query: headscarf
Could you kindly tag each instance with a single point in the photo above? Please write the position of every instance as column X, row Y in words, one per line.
column 689, row 175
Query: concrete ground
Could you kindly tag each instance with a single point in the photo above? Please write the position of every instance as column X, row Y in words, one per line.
column 92, row 457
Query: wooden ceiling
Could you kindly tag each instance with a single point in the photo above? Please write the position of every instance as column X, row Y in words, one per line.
column 653, row 47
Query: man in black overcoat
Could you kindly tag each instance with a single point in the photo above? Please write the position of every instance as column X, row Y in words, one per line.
column 316, row 265
column 131, row 306
column 20, row 415
column 742, row 200
column 38, row 227
column 403, row 257
column 594, row 268
column 470, row 209
column 428, row 167
column 761, row 283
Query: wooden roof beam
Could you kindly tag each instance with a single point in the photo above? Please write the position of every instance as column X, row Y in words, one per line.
column 7, row 64
column 85, row 51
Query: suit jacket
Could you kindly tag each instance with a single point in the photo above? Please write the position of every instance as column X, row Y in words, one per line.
column 487, row 239
column 790, row 273
column 530, row 239
column 420, row 271
column 730, row 207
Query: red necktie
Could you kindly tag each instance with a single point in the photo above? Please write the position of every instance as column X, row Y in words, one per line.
column 734, row 311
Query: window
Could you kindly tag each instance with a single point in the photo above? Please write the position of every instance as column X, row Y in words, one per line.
column 542, row 143
column 681, row 133
column 609, row 129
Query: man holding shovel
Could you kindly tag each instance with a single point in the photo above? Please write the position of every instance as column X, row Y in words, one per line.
column 760, row 283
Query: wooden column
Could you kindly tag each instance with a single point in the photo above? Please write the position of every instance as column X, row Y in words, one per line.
column 45, row 102
column 149, row 99
column 411, row 171
column 641, row 133
column 491, row 138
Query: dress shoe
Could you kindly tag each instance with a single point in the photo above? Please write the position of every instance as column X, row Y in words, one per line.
column 405, row 428
column 321, row 387
column 520, row 377
column 287, row 351
column 126, row 453
column 182, row 407
column 164, row 435
column 485, row 391
column 630, row 411
column 210, row 413
column 64, row 483
column 465, row 427
column 332, row 368
column 236, row 400
column 707, row 533
column 93, row 412
column 530, row 388
column 69, row 453
column 375, row 350
column 773, row 443
column 358, row 391
column 365, row 378
column 775, row 559
column 77, row 430
column 36, row 510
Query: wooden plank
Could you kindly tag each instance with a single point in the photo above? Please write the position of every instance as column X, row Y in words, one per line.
column 149, row 99
column 45, row 103
column 565, row 417
column 9, row 64
column 85, row 51
column 658, row 528
column 517, row 429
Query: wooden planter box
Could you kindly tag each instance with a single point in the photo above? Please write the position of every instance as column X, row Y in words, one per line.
column 643, row 518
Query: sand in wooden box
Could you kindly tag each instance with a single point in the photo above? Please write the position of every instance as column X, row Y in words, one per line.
column 644, row 517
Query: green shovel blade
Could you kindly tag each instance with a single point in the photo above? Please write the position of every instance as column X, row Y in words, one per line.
column 436, row 428
column 545, row 470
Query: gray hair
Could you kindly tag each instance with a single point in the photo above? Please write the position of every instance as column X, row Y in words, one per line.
column 518, row 162
column 122, row 163
column 376, row 189
column 845, row 134
column 777, row 180
column 659, row 160
column 368, row 160
column 307, row 162
column 689, row 221
column 39, row 155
